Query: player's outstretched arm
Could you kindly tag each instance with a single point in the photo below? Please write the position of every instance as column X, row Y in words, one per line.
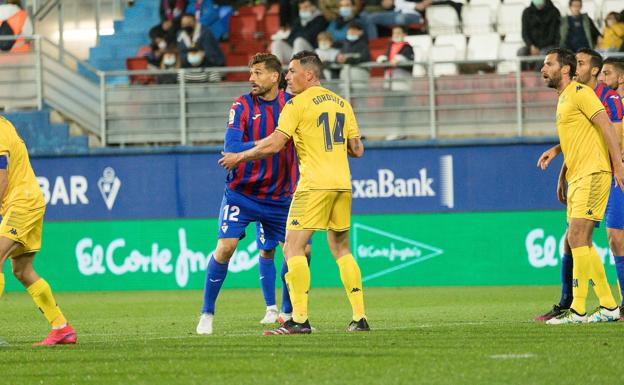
column 602, row 120
column 263, row 149
column 355, row 147
column 547, row 157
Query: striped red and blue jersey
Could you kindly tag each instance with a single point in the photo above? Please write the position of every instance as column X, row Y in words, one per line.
column 273, row 179
column 611, row 101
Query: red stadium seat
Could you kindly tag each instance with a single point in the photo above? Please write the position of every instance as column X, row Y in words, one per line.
column 249, row 47
column 270, row 24
column 237, row 60
column 273, row 9
column 138, row 63
column 378, row 47
column 258, row 10
column 243, row 27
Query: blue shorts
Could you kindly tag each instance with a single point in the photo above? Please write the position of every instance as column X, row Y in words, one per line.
column 614, row 215
column 238, row 210
column 262, row 242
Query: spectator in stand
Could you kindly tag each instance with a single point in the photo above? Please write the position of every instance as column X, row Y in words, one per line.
column 303, row 35
column 194, row 35
column 399, row 54
column 14, row 21
column 396, row 12
column 197, row 61
column 578, row 29
column 209, row 15
column 541, row 23
column 612, row 35
column 172, row 10
column 153, row 53
column 287, row 13
column 347, row 13
column 354, row 51
column 327, row 53
column 170, row 61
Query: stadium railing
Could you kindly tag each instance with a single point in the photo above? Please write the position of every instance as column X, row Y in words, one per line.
column 427, row 107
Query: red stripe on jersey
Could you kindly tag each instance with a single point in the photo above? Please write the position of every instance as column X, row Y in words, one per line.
column 268, row 173
column 256, row 164
column 240, row 169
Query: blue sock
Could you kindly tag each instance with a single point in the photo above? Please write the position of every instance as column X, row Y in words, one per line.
column 567, row 264
column 267, row 280
column 286, row 304
column 215, row 275
column 619, row 268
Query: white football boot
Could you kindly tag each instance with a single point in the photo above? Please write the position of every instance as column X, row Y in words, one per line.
column 568, row 317
column 270, row 317
column 205, row 324
column 602, row 314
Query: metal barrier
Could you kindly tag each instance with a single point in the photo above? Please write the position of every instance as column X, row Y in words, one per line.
column 184, row 112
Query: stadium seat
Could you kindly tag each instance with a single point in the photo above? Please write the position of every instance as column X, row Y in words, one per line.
column 138, row 63
column 442, row 19
column 237, row 60
column 483, row 47
column 248, row 47
column 378, row 47
column 477, row 19
column 444, row 53
column 257, row 10
column 508, row 51
column 243, row 27
column 270, row 24
column 422, row 47
column 513, row 37
column 593, row 10
column 509, row 19
column 492, row 4
column 458, row 41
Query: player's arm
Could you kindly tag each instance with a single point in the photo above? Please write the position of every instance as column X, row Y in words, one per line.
column 561, row 184
column 602, row 120
column 233, row 141
column 547, row 157
column 355, row 147
column 263, row 149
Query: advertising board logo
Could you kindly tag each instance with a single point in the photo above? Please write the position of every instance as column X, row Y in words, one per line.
column 109, row 185
column 381, row 253
column 389, row 185
column 544, row 250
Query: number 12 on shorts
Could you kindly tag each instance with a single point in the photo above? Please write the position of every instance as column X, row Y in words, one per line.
column 230, row 213
column 338, row 133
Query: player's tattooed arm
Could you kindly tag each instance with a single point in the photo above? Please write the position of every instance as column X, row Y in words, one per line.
column 355, row 147
column 263, row 149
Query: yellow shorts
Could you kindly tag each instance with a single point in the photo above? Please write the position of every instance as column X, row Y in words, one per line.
column 588, row 196
column 320, row 210
column 24, row 227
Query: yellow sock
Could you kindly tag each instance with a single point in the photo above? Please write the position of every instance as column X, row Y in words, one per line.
column 580, row 274
column 352, row 281
column 1, row 284
column 298, row 281
column 42, row 295
column 599, row 277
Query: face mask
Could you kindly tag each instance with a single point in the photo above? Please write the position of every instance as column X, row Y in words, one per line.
column 324, row 45
column 162, row 44
column 352, row 37
column 345, row 12
column 305, row 15
column 538, row 3
column 397, row 39
column 169, row 60
column 193, row 59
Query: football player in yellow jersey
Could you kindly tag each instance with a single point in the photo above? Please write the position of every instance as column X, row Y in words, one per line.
column 591, row 152
column 22, row 212
column 325, row 132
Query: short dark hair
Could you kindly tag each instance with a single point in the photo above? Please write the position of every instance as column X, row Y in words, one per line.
column 271, row 62
column 311, row 60
column 403, row 27
column 313, row 2
column 616, row 62
column 356, row 25
column 572, row 1
column 565, row 57
column 596, row 59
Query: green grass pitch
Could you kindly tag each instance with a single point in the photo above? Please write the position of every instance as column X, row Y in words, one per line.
column 452, row 335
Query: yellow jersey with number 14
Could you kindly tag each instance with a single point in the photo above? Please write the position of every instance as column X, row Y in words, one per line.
column 320, row 123
column 584, row 149
column 23, row 190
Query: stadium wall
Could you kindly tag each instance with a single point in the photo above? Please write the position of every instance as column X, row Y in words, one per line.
column 451, row 215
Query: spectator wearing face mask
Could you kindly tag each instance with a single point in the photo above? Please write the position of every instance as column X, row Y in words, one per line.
column 14, row 21
column 612, row 35
column 193, row 35
column 578, row 29
column 153, row 53
column 354, row 51
column 327, row 53
column 170, row 61
column 303, row 34
column 400, row 54
column 541, row 23
column 197, row 64
column 347, row 12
